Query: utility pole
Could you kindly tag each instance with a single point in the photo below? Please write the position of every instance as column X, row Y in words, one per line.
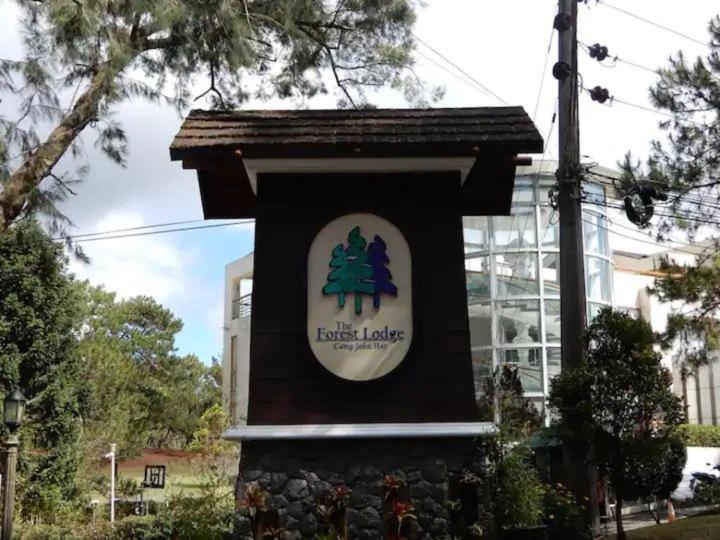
column 112, row 455
column 573, row 310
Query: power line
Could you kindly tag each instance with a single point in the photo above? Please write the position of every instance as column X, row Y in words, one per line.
column 461, row 70
column 650, row 242
column 619, row 59
column 148, row 233
column 454, row 74
column 542, row 75
column 615, row 99
column 82, row 235
column 652, row 23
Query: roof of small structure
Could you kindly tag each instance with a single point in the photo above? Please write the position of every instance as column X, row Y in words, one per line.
column 442, row 132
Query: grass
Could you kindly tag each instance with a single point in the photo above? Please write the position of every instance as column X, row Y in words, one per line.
column 693, row 528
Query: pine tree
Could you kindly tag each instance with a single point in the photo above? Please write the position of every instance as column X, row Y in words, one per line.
column 381, row 276
column 96, row 50
column 351, row 271
column 686, row 167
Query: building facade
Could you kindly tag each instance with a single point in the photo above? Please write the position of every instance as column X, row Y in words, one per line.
column 512, row 275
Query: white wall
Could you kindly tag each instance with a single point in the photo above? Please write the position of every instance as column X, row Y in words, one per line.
column 698, row 458
column 238, row 277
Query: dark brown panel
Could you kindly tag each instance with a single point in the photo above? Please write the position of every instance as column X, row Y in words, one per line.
column 287, row 383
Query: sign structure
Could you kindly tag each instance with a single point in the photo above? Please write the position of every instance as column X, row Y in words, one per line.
column 154, row 476
column 359, row 297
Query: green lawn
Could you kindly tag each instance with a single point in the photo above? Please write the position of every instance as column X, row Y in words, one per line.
column 693, row 528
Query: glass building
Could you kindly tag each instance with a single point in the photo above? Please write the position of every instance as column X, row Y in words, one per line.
column 512, row 271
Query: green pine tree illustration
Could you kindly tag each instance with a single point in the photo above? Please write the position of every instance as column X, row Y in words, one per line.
column 350, row 271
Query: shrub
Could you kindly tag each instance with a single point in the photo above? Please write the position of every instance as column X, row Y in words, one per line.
column 200, row 517
column 698, row 435
column 563, row 516
column 141, row 528
column 520, row 491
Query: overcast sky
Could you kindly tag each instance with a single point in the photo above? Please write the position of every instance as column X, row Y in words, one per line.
column 501, row 44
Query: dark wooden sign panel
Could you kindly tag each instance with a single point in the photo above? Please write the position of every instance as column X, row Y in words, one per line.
column 287, row 384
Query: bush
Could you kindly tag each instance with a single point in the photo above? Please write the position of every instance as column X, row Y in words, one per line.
column 141, row 528
column 698, row 435
column 63, row 532
column 563, row 516
column 200, row 517
column 520, row 491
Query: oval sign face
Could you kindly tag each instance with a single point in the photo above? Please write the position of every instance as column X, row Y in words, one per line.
column 359, row 297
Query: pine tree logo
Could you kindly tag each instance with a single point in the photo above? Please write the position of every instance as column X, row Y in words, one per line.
column 358, row 271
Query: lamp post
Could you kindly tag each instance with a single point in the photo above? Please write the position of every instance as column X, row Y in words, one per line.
column 13, row 410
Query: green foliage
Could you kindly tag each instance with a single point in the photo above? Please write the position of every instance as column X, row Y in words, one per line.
column 563, row 516
column 708, row 494
column 520, row 492
column 686, row 166
column 40, row 316
column 94, row 50
column 504, row 398
column 657, row 470
column 619, row 406
column 209, row 517
column 141, row 528
column 133, row 372
column 699, row 435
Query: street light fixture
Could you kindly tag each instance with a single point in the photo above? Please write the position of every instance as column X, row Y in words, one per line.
column 13, row 410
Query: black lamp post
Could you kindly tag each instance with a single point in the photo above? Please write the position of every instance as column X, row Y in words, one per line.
column 13, row 410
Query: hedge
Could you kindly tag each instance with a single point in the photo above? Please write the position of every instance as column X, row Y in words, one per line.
column 699, row 435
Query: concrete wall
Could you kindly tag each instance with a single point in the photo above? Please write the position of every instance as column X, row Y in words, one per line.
column 238, row 282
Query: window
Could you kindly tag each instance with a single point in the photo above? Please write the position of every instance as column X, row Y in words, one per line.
column 595, row 234
column 549, row 228
column 480, row 325
column 597, row 279
column 552, row 321
column 553, row 364
column 516, row 231
column 551, row 274
column 476, row 234
column 517, row 274
column 477, row 278
column 529, row 365
column 513, row 282
column 518, row 322
column 482, row 369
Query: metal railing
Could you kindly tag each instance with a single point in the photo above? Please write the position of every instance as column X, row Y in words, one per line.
column 241, row 306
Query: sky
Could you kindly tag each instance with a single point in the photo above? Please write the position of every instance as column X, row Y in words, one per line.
column 503, row 45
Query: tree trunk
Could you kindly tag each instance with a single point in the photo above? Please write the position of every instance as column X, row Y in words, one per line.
column 686, row 408
column 40, row 162
column 618, row 516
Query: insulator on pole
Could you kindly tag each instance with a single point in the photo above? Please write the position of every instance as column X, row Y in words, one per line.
column 598, row 52
column 599, row 94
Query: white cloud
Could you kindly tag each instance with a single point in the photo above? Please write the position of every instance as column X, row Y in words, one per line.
column 141, row 265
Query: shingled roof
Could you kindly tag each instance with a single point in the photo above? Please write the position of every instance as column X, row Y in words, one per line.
column 349, row 133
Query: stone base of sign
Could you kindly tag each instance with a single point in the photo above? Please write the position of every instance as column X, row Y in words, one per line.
column 298, row 476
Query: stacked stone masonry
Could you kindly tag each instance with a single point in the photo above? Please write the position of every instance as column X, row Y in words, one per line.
column 299, row 476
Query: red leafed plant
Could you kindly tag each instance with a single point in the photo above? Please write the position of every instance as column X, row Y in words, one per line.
column 392, row 485
column 254, row 499
column 401, row 514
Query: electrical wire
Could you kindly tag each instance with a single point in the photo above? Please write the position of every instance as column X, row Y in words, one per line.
column 461, row 70
column 652, row 23
column 619, row 59
column 149, row 233
column 113, row 231
column 544, row 71
column 454, row 74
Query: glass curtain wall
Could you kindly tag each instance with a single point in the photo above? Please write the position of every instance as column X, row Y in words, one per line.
column 512, row 265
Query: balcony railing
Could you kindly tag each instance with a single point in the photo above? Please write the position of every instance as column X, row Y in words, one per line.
column 241, row 306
